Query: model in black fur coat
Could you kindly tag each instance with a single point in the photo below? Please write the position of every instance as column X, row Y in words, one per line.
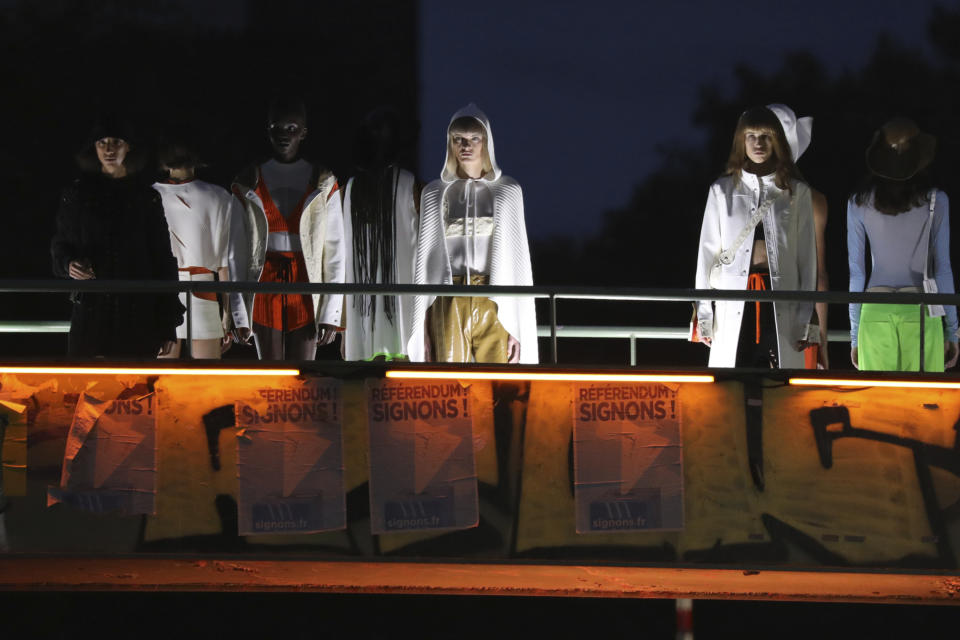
column 111, row 225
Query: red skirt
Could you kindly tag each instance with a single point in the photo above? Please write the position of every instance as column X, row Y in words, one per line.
column 271, row 309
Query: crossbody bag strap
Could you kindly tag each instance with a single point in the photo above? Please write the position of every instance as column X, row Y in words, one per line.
column 929, row 284
column 727, row 255
column 926, row 257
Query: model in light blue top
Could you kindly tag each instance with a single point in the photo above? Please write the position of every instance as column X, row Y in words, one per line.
column 897, row 251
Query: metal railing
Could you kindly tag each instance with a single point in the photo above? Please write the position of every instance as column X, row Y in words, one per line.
column 546, row 292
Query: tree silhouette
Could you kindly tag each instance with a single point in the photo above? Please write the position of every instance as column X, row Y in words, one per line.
column 652, row 240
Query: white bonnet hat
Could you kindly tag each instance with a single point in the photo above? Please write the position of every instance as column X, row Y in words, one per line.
column 799, row 131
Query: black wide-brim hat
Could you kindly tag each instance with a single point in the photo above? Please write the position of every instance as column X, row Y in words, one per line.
column 899, row 150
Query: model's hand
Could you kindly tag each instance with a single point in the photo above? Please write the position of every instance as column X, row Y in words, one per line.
column 706, row 337
column 853, row 357
column 241, row 335
column 950, row 353
column 823, row 358
column 325, row 334
column 80, row 270
column 226, row 342
column 167, row 347
column 513, row 350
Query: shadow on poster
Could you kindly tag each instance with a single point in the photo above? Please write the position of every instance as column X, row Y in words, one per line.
column 422, row 469
column 110, row 461
column 628, row 458
column 290, row 459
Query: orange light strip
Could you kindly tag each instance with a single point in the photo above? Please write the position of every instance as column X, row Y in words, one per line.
column 914, row 384
column 149, row 371
column 554, row 377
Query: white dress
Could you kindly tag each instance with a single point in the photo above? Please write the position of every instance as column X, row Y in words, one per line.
column 371, row 333
column 198, row 215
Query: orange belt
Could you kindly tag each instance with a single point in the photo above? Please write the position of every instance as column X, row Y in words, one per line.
column 755, row 282
column 195, row 271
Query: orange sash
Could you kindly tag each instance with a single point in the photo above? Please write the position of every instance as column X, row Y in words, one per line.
column 755, row 282
column 196, row 271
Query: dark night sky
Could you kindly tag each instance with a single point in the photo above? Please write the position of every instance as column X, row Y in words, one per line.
column 580, row 95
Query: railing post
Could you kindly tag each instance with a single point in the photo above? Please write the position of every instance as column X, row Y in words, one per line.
column 633, row 349
column 4, row 545
column 553, row 328
column 923, row 331
column 3, row 499
column 187, row 351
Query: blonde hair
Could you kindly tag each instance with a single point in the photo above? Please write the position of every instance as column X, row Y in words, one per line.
column 466, row 124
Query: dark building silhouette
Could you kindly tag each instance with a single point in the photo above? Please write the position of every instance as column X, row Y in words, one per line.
column 210, row 67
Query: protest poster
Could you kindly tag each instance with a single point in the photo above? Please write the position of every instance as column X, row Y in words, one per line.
column 628, row 457
column 110, row 461
column 290, row 458
column 422, row 470
column 13, row 450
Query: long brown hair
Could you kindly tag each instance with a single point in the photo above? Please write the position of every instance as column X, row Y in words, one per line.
column 894, row 196
column 765, row 120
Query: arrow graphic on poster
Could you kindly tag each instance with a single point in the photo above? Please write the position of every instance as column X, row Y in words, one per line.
column 85, row 418
column 432, row 447
column 638, row 451
column 114, row 444
column 302, row 451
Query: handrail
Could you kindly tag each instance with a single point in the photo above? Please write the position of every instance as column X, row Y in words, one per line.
column 535, row 291
column 543, row 330
column 643, row 333
column 549, row 292
column 34, row 326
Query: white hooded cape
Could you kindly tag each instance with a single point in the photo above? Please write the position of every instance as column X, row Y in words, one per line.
column 509, row 251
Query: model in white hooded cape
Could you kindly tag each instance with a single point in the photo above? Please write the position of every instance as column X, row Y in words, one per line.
column 509, row 253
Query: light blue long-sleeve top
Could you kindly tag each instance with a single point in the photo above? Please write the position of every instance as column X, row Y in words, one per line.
column 897, row 251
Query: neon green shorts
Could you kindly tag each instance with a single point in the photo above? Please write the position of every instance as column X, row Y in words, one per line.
column 889, row 339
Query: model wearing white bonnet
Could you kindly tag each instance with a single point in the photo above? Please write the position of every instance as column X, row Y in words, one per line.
column 799, row 131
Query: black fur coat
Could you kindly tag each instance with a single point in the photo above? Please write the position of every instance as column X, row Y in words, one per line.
column 118, row 226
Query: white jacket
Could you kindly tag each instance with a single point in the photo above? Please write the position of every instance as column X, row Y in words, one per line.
column 321, row 238
column 791, row 255
column 509, row 251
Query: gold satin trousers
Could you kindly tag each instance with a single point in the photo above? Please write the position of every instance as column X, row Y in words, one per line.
column 466, row 329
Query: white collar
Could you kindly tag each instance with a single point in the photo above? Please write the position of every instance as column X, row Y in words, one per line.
column 753, row 181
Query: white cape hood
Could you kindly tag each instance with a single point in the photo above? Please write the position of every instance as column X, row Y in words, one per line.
column 491, row 170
